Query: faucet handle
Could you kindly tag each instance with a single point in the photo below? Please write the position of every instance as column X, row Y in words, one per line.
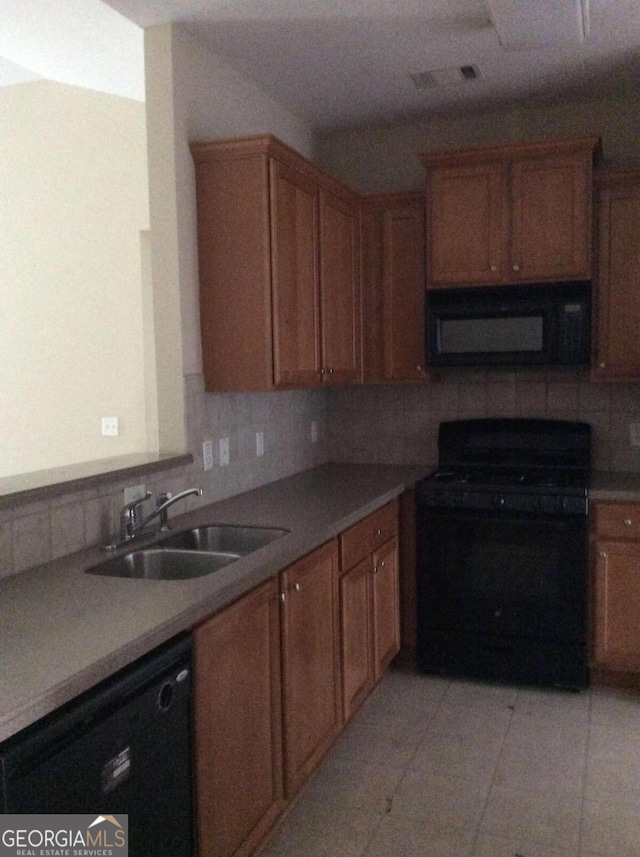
column 130, row 517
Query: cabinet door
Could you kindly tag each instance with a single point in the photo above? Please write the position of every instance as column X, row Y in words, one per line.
column 403, row 294
column 617, row 344
column 295, row 296
column 465, row 224
column 386, row 608
column 550, row 218
column 237, row 712
column 339, row 289
column 310, row 663
column 356, row 636
column 617, row 633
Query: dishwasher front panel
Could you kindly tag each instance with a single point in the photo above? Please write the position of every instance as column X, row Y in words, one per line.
column 123, row 748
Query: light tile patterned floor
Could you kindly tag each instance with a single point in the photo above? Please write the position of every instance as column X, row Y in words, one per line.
column 437, row 768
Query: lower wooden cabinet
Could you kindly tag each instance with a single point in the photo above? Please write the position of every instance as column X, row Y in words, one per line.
column 310, row 662
column 369, row 604
column 616, row 564
column 237, row 710
column 275, row 671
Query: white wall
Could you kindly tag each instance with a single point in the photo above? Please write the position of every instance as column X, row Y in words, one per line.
column 384, row 158
column 74, row 199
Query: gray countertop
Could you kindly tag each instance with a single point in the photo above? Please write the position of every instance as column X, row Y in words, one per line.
column 62, row 631
column 614, row 486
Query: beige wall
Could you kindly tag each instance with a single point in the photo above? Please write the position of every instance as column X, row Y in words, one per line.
column 384, row 158
column 73, row 181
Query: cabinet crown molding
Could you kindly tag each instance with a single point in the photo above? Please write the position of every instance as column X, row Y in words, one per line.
column 508, row 151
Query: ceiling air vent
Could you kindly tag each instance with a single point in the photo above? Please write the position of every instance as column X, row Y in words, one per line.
column 445, row 76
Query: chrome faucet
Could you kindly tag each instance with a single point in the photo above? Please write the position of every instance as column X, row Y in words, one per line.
column 133, row 526
column 162, row 506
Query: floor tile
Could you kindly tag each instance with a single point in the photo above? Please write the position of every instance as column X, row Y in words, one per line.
column 478, row 724
column 540, row 816
column 611, row 826
column 480, row 695
column 313, row 829
column 456, row 756
column 616, row 710
column 406, row 837
column 441, row 800
column 613, row 765
column 354, row 785
column 375, row 745
column 554, row 704
column 498, row 846
column 548, row 733
column 523, row 768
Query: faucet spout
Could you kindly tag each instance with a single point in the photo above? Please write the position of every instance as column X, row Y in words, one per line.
column 162, row 507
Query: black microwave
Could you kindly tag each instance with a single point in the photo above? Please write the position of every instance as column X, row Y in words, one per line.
column 543, row 325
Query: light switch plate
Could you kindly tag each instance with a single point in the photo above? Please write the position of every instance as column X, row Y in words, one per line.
column 110, row 426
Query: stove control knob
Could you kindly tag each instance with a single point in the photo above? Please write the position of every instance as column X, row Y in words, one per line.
column 498, row 501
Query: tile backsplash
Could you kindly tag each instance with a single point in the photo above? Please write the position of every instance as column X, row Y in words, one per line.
column 378, row 424
column 400, row 424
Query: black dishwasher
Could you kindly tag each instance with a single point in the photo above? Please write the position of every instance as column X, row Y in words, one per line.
column 122, row 747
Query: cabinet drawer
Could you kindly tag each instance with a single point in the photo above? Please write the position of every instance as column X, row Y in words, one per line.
column 367, row 535
column 617, row 520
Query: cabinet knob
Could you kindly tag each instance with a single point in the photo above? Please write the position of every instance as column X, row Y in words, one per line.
column 418, row 368
column 627, row 522
column 494, row 268
column 296, row 586
column 602, row 365
column 516, row 267
column 382, row 564
column 378, row 532
column 283, row 596
column 602, row 554
column 323, row 371
column 330, row 371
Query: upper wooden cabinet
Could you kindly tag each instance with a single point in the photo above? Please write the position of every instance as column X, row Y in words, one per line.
column 513, row 213
column 393, row 287
column 617, row 285
column 278, row 249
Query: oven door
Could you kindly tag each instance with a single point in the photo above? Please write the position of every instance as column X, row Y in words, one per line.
column 502, row 583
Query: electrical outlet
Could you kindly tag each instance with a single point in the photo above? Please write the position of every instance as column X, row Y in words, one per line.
column 133, row 493
column 314, row 431
column 207, row 455
column 259, row 444
column 224, row 451
column 634, row 434
column 110, row 426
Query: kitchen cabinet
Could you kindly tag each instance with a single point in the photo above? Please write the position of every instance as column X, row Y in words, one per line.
column 369, row 603
column 510, row 213
column 617, row 284
column 279, row 266
column 237, row 712
column 393, row 287
column 616, row 564
column 310, row 662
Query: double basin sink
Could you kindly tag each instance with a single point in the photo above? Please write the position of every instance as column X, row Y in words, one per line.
column 189, row 554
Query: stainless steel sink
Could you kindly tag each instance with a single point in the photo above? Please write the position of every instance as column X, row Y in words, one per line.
column 222, row 537
column 159, row 564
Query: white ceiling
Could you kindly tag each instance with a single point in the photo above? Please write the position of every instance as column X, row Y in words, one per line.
column 80, row 42
column 348, row 62
column 343, row 63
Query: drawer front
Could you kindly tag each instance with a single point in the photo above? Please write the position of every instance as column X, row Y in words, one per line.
column 617, row 520
column 363, row 538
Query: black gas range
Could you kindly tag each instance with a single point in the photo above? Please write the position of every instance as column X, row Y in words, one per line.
column 502, row 551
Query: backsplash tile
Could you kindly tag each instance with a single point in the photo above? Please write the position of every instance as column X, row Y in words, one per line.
column 372, row 424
